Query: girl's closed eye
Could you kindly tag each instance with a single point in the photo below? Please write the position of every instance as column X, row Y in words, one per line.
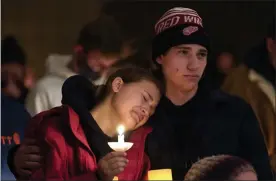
column 144, row 97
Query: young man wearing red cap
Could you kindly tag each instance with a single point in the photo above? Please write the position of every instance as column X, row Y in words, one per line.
column 191, row 122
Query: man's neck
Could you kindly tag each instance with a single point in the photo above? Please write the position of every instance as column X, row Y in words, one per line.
column 179, row 97
column 107, row 122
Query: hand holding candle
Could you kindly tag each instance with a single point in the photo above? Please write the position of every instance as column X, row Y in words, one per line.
column 111, row 165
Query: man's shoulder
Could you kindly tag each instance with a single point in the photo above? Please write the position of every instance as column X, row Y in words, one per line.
column 229, row 102
column 49, row 82
column 241, row 69
column 48, row 86
column 45, row 95
column 237, row 75
column 222, row 96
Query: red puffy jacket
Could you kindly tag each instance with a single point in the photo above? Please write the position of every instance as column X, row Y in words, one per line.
column 67, row 155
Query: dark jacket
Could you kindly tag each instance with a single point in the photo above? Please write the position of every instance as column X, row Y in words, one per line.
column 211, row 123
column 67, row 151
column 14, row 119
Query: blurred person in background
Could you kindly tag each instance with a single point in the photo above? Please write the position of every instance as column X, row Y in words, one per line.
column 225, row 62
column 221, row 167
column 254, row 81
column 14, row 88
column 140, row 57
column 16, row 77
column 99, row 46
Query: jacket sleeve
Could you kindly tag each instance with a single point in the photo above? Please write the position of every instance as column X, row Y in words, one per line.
column 253, row 147
column 55, row 169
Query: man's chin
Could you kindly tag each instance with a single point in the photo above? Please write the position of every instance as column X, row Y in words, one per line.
column 189, row 87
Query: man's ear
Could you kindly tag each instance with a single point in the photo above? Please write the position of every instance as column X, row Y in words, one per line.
column 117, row 84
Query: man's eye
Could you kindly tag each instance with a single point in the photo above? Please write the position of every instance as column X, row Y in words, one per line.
column 201, row 55
column 183, row 52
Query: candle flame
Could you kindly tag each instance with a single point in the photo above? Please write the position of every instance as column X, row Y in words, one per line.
column 120, row 129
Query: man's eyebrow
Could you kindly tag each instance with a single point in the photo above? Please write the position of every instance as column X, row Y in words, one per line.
column 203, row 50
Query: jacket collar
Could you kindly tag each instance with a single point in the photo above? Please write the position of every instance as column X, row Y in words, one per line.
column 76, row 128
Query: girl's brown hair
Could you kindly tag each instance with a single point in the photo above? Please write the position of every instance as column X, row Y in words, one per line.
column 129, row 74
column 221, row 167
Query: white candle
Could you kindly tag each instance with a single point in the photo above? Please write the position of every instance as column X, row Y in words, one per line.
column 121, row 136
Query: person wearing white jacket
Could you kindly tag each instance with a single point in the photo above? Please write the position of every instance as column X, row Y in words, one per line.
column 99, row 46
column 47, row 92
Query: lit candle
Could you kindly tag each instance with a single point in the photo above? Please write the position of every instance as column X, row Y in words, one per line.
column 121, row 136
column 161, row 174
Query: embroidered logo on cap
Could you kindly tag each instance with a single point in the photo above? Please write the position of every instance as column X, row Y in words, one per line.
column 189, row 30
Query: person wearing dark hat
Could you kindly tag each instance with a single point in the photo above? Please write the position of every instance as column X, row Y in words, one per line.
column 14, row 71
column 14, row 116
column 190, row 121
column 98, row 47
column 255, row 82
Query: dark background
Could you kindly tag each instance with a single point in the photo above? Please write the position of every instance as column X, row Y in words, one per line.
column 51, row 26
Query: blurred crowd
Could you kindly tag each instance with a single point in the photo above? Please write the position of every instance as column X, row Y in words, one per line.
column 107, row 71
